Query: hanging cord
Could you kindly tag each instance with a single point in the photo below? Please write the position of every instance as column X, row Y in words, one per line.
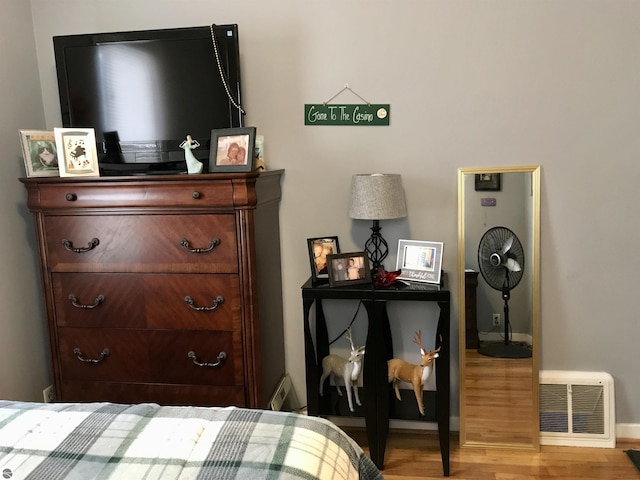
column 346, row 87
column 219, row 63
column 351, row 323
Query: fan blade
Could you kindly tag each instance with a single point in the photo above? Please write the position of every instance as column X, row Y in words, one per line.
column 507, row 245
column 513, row 265
column 490, row 246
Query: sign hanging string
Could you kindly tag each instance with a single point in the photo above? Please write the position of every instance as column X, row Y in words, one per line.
column 346, row 87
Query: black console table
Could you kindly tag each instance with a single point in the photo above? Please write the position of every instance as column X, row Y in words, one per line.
column 378, row 397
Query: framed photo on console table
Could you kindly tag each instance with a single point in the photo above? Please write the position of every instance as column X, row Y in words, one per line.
column 232, row 150
column 40, row 153
column 319, row 249
column 420, row 261
column 78, row 156
column 348, row 269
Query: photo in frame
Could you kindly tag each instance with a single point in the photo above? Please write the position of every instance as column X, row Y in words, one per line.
column 419, row 261
column 348, row 269
column 77, row 154
column 40, row 153
column 488, row 182
column 259, row 153
column 232, row 150
column 319, row 249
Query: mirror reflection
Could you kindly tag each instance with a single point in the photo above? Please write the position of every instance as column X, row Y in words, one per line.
column 498, row 314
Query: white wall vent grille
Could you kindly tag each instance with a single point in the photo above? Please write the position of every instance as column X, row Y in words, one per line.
column 577, row 409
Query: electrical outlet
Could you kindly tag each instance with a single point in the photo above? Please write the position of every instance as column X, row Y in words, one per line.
column 48, row 395
column 496, row 319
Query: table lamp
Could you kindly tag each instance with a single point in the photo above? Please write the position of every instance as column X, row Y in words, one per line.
column 377, row 196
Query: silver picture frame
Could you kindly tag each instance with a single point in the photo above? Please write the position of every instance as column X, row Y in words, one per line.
column 420, row 261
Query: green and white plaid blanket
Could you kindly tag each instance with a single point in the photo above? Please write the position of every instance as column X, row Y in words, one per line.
column 104, row 440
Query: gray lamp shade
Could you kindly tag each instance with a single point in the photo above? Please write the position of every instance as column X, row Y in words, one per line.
column 377, row 196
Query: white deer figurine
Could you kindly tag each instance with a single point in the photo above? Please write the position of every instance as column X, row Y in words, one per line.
column 348, row 370
column 416, row 375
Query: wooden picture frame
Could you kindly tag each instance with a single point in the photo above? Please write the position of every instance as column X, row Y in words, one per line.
column 232, row 150
column 319, row 249
column 348, row 269
column 419, row 261
column 488, row 182
column 40, row 153
column 77, row 153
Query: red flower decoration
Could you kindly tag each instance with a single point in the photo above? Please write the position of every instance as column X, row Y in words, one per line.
column 385, row 279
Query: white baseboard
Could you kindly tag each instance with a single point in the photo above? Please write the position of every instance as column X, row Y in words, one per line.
column 628, row 430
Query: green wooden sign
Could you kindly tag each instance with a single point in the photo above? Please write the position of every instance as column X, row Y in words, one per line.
column 346, row 114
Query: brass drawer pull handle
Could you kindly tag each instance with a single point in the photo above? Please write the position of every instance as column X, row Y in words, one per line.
column 104, row 354
column 74, row 301
column 196, row 195
column 69, row 246
column 222, row 356
column 71, row 197
column 212, row 244
column 216, row 303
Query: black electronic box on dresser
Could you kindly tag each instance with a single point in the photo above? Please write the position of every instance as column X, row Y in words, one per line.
column 162, row 289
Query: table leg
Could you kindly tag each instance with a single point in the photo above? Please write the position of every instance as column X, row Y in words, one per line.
column 322, row 350
column 376, row 387
column 311, row 366
column 442, row 384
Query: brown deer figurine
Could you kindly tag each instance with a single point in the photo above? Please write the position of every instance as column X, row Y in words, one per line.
column 416, row 375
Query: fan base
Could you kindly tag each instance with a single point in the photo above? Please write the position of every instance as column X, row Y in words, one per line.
column 501, row 350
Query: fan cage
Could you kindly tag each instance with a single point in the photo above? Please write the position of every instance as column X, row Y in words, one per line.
column 491, row 242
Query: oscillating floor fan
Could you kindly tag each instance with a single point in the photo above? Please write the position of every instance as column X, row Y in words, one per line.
column 501, row 262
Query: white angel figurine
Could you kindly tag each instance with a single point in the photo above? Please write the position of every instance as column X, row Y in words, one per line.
column 193, row 164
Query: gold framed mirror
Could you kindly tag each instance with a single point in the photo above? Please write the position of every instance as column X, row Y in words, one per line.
column 498, row 315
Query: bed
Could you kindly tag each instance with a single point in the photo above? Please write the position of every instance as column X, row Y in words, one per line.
column 85, row 441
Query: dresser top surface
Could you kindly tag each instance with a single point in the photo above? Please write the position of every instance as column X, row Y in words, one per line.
column 150, row 179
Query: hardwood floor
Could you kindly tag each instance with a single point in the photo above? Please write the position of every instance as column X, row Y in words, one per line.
column 499, row 399
column 414, row 455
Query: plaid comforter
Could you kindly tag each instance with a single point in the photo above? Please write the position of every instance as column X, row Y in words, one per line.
column 104, row 440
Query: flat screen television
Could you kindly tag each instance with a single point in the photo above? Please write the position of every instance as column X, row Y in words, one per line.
column 144, row 91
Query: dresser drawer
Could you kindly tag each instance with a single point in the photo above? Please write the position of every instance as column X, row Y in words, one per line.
column 153, row 356
column 111, row 194
column 164, row 394
column 130, row 300
column 192, row 301
column 126, row 357
column 142, row 243
column 176, row 355
column 99, row 300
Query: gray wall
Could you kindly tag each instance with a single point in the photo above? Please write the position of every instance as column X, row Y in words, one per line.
column 470, row 83
column 24, row 364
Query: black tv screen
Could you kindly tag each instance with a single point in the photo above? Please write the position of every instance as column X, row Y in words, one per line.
column 144, row 91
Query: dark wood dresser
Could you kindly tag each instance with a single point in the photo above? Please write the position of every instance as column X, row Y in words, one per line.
column 162, row 289
column 470, row 310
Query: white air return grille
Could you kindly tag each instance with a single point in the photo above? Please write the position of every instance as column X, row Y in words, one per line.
column 577, row 409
